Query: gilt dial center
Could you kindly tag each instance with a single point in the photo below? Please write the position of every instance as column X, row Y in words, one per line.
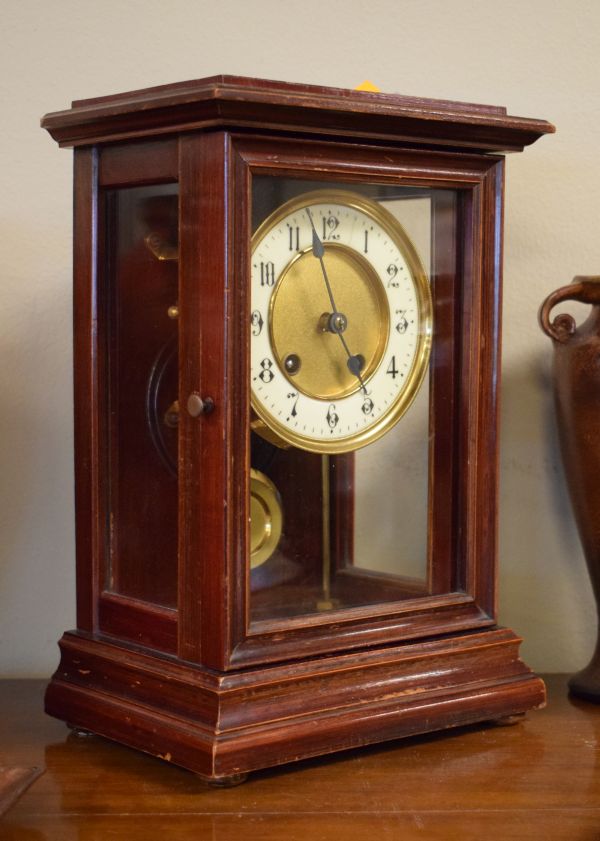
column 303, row 329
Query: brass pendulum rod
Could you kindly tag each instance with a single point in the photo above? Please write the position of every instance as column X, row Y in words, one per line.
column 325, row 603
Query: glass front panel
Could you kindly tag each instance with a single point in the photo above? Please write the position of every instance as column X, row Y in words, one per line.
column 141, row 335
column 341, row 327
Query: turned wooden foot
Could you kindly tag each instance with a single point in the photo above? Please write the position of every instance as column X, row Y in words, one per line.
column 223, row 782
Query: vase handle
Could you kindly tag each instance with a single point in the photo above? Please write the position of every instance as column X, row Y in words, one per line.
column 585, row 290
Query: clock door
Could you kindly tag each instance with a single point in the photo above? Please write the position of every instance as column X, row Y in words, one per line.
column 364, row 299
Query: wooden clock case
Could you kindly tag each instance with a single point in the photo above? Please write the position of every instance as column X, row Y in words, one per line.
column 166, row 657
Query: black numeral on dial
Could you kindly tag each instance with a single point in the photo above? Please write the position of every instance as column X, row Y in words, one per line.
column 256, row 321
column 402, row 324
column 266, row 374
column 391, row 369
column 294, row 397
column 294, row 233
column 330, row 224
column 332, row 416
column 267, row 274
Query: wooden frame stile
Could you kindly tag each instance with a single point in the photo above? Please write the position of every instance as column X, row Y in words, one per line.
column 212, row 543
column 485, row 588
column 85, row 372
column 192, row 679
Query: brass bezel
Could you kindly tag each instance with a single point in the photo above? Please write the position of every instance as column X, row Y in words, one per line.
column 281, row 434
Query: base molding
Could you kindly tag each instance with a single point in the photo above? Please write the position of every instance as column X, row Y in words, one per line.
column 220, row 725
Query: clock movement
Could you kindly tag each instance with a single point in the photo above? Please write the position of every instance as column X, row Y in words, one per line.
column 286, row 342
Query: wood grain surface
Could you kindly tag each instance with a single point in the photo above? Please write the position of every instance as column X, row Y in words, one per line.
column 308, row 109
column 538, row 779
column 14, row 780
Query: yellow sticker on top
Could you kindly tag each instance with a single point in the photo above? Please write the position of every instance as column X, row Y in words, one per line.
column 368, row 86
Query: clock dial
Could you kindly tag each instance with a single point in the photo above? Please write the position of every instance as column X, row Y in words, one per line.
column 340, row 323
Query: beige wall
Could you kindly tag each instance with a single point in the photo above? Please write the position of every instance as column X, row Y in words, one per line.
column 538, row 58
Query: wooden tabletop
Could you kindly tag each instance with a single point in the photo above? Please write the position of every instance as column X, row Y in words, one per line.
column 539, row 779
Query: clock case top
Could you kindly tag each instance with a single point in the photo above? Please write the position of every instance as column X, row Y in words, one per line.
column 211, row 136
column 236, row 102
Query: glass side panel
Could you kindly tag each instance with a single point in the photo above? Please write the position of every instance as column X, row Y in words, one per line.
column 341, row 328
column 141, row 338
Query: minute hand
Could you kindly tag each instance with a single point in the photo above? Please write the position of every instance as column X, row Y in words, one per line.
column 354, row 362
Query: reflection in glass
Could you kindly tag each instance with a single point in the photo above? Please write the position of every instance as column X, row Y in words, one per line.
column 140, row 292
column 352, row 526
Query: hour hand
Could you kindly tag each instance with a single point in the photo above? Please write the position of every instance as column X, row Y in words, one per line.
column 319, row 251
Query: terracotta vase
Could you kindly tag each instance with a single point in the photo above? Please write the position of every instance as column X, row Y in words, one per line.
column 577, row 395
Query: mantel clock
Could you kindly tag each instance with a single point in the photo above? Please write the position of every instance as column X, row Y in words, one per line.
column 287, row 309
